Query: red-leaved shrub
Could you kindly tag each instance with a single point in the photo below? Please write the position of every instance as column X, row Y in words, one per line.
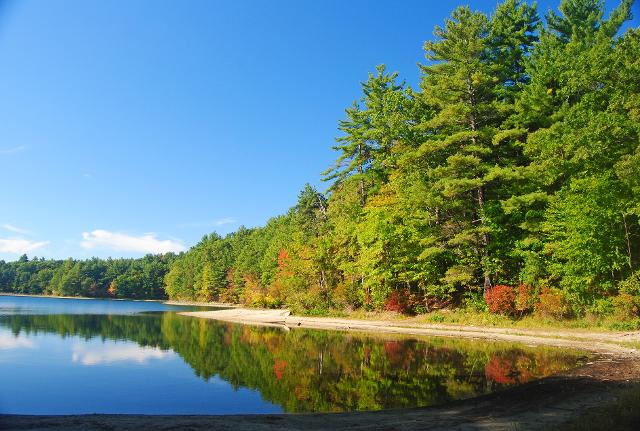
column 501, row 299
column 399, row 301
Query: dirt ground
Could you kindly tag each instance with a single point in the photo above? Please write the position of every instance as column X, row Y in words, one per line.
column 550, row 402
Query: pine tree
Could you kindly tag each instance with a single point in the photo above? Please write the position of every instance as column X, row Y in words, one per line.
column 460, row 84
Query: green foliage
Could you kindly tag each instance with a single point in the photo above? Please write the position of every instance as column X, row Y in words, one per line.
column 601, row 307
column 474, row 301
column 123, row 278
column 516, row 163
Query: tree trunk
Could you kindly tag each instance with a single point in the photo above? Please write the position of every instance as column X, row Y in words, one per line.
column 626, row 233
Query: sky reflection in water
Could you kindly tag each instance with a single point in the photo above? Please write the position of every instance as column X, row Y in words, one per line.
column 135, row 361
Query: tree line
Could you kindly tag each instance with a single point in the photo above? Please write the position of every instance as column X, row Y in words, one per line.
column 102, row 278
column 515, row 163
column 513, row 170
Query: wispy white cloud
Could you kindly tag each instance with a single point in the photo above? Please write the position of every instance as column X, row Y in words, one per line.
column 19, row 245
column 223, row 221
column 109, row 353
column 16, row 229
column 8, row 341
column 147, row 243
column 210, row 223
column 13, row 150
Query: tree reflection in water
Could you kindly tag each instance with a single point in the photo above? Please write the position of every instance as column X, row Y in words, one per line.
column 311, row 370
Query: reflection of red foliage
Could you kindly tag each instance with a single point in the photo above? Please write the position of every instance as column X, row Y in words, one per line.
column 500, row 370
column 512, row 368
column 367, row 354
column 393, row 349
column 399, row 353
column 279, row 367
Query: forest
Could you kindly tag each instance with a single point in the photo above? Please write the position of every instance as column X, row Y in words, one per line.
column 508, row 181
column 97, row 278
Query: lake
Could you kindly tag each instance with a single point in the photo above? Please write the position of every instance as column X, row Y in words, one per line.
column 73, row 356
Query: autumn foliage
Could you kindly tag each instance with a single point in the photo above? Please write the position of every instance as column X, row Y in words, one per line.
column 553, row 303
column 501, row 299
column 398, row 301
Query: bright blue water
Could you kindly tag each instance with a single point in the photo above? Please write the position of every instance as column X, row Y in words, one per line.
column 72, row 356
column 43, row 305
column 60, row 373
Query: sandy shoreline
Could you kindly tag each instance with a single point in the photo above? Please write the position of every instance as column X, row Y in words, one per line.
column 599, row 342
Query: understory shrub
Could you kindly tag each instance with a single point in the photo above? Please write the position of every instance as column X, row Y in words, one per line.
column 501, row 299
column 627, row 303
column 631, row 285
column 525, row 299
column 626, row 325
column 626, row 306
column 436, row 317
column 399, row 301
column 601, row 307
column 474, row 301
column 553, row 303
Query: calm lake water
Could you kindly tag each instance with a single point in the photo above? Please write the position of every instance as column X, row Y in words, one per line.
column 68, row 356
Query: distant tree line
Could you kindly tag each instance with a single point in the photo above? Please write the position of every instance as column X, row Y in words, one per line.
column 103, row 278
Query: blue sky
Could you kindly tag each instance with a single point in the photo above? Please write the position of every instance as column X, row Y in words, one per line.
column 138, row 126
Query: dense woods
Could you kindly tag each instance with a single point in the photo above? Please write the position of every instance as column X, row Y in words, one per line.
column 515, row 164
column 510, row 179
column 110, row 278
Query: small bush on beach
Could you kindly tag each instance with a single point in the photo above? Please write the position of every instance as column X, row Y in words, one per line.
column 474, row 301
column 601, row 307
